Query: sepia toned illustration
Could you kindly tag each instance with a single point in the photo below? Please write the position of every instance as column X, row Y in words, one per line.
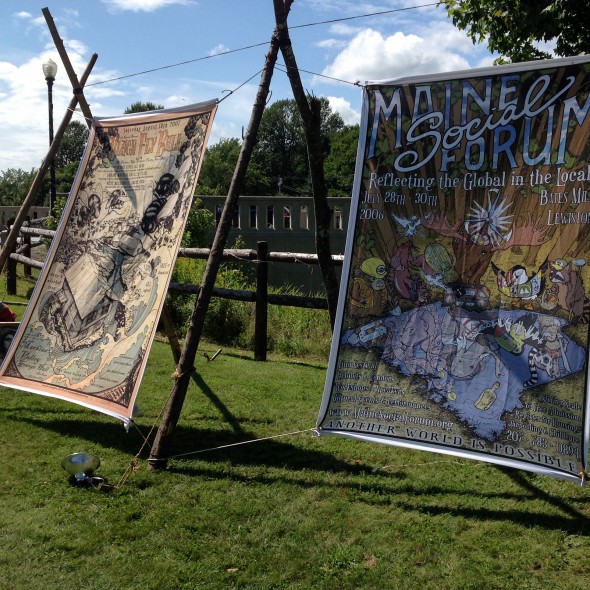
column 88, row 328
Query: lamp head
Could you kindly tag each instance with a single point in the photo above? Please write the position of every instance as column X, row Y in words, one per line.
column 50, row 69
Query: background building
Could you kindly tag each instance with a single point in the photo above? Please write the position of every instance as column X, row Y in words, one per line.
column 287, row 223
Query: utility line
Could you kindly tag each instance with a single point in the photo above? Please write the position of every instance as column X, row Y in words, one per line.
column 229, row 51
column 283, row 68
column 337, row 20
column 182, row 63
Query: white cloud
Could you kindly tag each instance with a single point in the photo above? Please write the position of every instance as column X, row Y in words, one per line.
column 176, row 100
column 31, row 21
column 74, row 46
column 104, row 92
column 371, row 56
column 221, row 48
column 344, row 29
column 331, row 44
column 342, row 106
column 23, row 108
column 144, row 5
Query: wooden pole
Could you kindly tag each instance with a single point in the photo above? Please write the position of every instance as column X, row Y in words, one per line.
column 32, row 194
column 76, row 85
column 171, row 334
column 260, row 328
column 11, row 275
column 27, row 251
column 310, row 110
column 158, row 458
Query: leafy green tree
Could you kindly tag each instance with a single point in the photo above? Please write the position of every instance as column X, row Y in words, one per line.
column 15, row 184
column 72, row 144
column 198, row 224
column 281, row 154
column 340, row 161
column 218, row 167
column 64, row 177
column 515, row 28
column 141, row 107
column 281, row 151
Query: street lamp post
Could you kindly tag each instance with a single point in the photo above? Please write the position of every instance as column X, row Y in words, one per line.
column 49, row 70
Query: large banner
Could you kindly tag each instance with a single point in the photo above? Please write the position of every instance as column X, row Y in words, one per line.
column 86, row 334
column 463, row 315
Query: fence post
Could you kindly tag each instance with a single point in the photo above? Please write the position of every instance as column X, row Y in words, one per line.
column 261, row 322
column 11, row 272
column 27, row 250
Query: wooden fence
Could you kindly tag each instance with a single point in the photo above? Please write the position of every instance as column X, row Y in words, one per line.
column 261, row 256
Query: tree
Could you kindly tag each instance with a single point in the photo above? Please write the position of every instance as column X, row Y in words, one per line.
column 515, row 28
column 340, row 161
column 72, row 145
column 141, row 107
column 198, row 224
column 281, row 151
column 64, row 177
column 218, row 167
column 15, row 184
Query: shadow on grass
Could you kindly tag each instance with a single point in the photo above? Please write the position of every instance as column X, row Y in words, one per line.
column 298, row 362
column 188, row 440
column 573, row 523
column 304, row 467
column 390, row 492
column 217, row 402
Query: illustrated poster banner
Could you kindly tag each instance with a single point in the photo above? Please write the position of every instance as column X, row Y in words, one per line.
column 87, row 330
column 462, row 325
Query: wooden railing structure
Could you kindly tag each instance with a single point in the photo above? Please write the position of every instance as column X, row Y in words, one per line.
column 261, row 256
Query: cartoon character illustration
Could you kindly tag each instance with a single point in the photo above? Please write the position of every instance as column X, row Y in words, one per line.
column 570, row 290
column 468, row 296
column 400, row 279
column 551, row 350
column 517, row 284
column 367, row 294
column 511, row 335
column 417, row 344
column 483, row 232
column 467, row 345
column 88, row 212
column 454, row 355
column 410, row 225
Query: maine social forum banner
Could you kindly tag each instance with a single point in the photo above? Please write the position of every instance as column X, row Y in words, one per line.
column 87, row 330
column 462, row 325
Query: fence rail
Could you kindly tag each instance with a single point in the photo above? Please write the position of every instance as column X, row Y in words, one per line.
column 260, row 297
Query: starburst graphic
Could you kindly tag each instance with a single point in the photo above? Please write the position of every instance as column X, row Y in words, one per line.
column 491, row 225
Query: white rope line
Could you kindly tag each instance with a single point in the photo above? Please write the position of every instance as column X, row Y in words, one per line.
column 145, row 438
column 246, row 442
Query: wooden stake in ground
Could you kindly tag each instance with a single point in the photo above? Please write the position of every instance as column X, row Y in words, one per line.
column 158, row 458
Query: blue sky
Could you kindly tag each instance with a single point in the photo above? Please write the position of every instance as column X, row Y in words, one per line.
column 132, row 36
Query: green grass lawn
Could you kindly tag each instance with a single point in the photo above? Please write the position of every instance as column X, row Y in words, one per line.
column 294, row 511
column 284, row 512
